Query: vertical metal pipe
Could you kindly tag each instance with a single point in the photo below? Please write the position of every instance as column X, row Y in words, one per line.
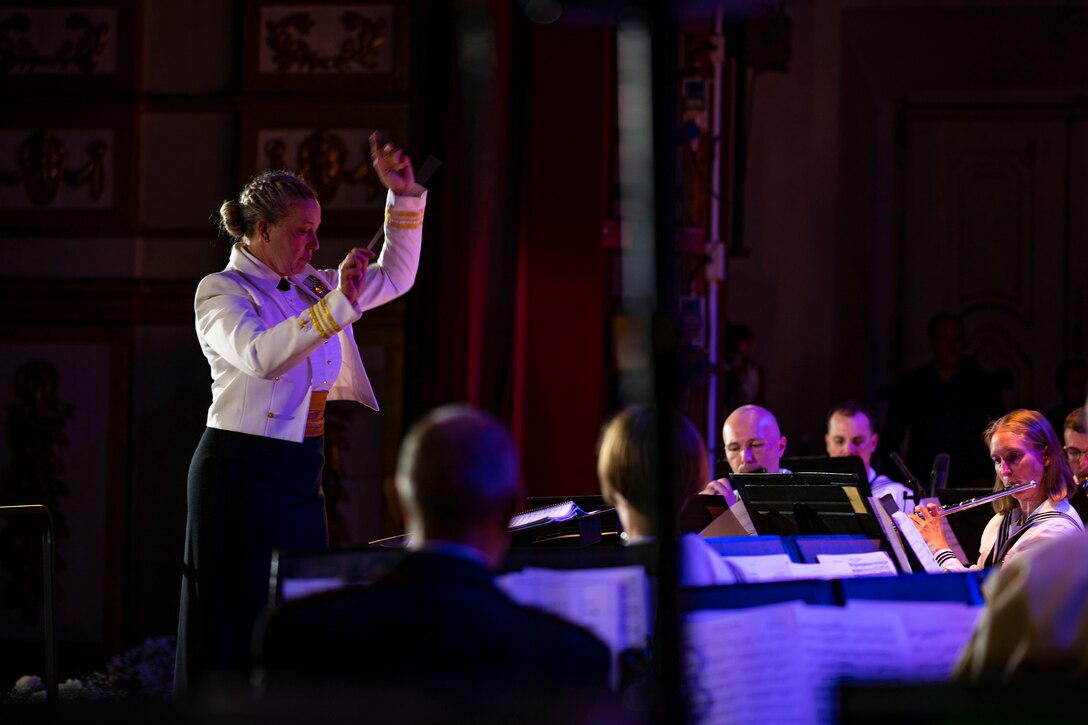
column 50, row 605
column 49, row 598
column 714, row 276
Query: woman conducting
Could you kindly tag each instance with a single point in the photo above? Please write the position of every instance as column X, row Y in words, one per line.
column 1024, row 448
column 277, row 335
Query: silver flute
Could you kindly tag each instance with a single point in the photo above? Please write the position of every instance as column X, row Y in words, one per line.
column 972, row 502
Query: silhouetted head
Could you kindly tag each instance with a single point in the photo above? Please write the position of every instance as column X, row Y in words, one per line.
column 457, row 479
column 627, row 466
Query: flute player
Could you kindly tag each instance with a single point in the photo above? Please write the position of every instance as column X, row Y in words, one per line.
column 1024, row 448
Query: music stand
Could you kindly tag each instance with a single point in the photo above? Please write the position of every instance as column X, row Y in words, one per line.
column 826, row 464
column 791, row 509
column 829, row 478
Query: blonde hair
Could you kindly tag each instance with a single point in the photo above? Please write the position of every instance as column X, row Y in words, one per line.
column 1037, row 434
column 268, row 196
column 626, row 455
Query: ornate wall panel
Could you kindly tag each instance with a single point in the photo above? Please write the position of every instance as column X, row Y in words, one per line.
column 53, row 46
column 334, row 159
column 326, row 46
column 68, row 167
column 985, row 235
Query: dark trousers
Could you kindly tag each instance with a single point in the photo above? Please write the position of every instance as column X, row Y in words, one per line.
column 247, row 495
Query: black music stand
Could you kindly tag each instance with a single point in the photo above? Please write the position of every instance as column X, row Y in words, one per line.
column 826, row 464
column 790, row 509
column 833, row 478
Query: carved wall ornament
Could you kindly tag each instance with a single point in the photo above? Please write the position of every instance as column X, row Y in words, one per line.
column 43, row 168
column 83, row 48
column 359, row 50
column 322, row 160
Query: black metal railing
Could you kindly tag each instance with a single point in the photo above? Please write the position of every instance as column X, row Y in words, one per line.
column 41, row 513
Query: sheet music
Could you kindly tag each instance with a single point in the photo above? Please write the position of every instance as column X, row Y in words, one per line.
column 781, row 663
column 613, row 603
column 762, row 568
column 918, row 545
column 870, row 563
column 891, row 535
column 737, row 662
column 556, row 512
column 936, row 634
column 779, row 567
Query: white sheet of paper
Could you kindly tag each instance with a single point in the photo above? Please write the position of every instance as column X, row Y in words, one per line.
column 781, row 663
column 918, row 545
column 778, row 567
column 892, row 535
column 762, row 568
column 613, row 603
column 870, row 563
column 737, row 662
column 936, row 634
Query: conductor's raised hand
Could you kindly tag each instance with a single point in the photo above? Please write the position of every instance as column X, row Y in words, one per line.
column 393, row 166
column 353, row 272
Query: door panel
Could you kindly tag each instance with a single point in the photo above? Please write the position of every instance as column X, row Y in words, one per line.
column 985, row 235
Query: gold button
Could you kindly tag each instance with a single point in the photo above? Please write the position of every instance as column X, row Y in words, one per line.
column 324, row 382
column 271, row 415
column 328, row 362
column 277, row 377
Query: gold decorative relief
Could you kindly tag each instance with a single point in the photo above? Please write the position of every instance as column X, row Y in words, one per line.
column 42, row 168
column 322, row 159
column 32, row 47
column 326, row 39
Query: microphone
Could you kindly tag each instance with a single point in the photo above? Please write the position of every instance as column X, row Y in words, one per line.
column 911, row 480
column 938, row 477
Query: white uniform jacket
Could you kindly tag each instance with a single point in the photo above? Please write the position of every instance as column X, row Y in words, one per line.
column 259, row 348
column 1049, row 521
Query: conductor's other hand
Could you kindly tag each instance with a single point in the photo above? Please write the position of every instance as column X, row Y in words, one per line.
column 393, row 166
column 353, row 272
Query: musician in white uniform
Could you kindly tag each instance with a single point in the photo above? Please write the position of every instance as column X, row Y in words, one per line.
column 850, row 432
column 1024, row 448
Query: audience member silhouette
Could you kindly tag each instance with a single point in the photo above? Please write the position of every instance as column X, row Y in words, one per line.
column 941, row 406
column 437, row 624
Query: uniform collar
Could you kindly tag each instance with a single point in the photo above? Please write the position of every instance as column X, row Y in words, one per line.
column 247, row 263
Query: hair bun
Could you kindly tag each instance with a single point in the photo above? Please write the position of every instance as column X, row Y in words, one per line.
column 230, row 214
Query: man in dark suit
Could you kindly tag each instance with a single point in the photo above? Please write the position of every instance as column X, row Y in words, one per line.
column 437, row 623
